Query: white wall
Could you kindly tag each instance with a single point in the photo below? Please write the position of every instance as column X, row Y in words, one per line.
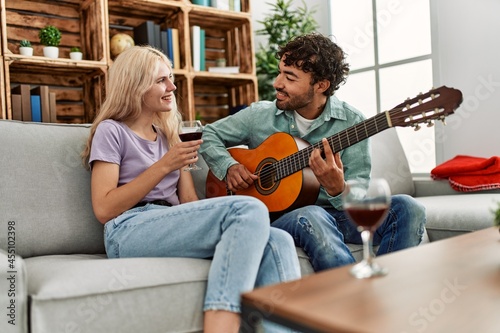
column 467, row 52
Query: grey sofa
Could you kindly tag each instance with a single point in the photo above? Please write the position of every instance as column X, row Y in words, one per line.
column 54, row 274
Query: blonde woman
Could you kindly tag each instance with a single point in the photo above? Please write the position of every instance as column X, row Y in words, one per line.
column 149, row 206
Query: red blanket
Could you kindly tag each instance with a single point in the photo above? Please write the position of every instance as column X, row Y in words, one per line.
column 469, row 173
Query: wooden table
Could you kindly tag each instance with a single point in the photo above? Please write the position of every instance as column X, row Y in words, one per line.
column 451, row 285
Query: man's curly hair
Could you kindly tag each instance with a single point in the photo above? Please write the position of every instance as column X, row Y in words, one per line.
column 319, row 55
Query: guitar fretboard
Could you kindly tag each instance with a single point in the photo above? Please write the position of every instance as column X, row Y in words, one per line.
column 346, row 138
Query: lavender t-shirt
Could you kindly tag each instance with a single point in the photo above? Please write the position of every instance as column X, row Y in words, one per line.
column 115, row 142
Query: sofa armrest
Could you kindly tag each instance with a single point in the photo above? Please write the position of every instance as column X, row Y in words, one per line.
column 425, row 186
column 13, row 293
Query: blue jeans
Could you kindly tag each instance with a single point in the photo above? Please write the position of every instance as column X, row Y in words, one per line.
column 324, row 232
column 234, row 232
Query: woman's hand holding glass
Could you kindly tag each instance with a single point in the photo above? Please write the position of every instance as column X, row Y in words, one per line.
column 190, row 130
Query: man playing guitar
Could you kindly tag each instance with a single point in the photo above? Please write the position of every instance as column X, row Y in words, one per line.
column 312, row 67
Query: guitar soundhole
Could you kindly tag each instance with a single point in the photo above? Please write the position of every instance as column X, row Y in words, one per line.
column 267, row 182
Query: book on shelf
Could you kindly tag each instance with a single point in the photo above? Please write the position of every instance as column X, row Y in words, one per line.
column 36, row 109
column 43, row 93
column 234, row 5
column 170, row 46
column 17, row 112
column 237, row 5
column 221, row 4
column 53, row 107
column 202, row 50
column 157, row 40
column 164, row 42
column 24, row 90
column 201, row 2
column 195, row 47
column 225, row 70
column 147, row 33
column 175, row 48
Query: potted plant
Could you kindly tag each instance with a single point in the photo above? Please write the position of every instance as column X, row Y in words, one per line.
column 75, row 53
column 25, row 48
column 282, row 23
column 50, row 36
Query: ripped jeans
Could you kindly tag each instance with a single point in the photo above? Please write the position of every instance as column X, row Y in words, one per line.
column 324, row 232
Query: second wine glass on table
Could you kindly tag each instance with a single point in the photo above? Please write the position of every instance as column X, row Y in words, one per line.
column 366, row 203
column 190, row 130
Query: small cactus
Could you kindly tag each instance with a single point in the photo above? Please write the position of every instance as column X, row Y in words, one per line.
column 25, row 43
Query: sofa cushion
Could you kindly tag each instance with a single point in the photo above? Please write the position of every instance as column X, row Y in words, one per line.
column 449, row 216
column 91, row 294
column 389, row 162
column 48, row 189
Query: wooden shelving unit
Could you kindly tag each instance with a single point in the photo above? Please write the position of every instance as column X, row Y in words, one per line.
column 80, row 86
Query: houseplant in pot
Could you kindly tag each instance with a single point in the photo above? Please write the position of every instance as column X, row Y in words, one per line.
column 50, row 36
column 281, row 24
column 75, row 53
column 25, row 47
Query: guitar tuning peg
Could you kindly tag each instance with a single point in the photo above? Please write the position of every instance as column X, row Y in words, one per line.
column 443, row 120
column 416, row 127
column 420, row 101
column 430, row 123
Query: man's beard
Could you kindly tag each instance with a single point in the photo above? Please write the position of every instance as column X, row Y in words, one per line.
column 297, row 102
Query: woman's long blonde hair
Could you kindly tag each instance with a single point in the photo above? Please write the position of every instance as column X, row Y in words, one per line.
column 131, row 75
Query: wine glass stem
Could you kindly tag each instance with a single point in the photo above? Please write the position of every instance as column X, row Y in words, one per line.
column 366, row 236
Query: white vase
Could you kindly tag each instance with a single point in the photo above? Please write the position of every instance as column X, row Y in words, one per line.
column 76, row 55
column 27, row 51
column 51, row 52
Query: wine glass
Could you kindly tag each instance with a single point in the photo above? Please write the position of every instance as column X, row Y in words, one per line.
column 366, row 203
column 190, row 130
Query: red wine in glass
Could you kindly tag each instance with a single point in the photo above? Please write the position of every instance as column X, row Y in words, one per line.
column 190, row 136
column 189, row 131
column 366, row 203
column 367, row 216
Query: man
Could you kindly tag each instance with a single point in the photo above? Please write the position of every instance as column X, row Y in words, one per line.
column 312, row 68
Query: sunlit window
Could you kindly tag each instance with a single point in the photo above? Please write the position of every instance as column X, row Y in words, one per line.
column 388, row 43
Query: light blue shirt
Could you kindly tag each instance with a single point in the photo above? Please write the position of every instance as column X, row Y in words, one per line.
column 254, row 124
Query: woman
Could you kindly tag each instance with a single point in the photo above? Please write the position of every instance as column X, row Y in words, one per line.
column 149, row 206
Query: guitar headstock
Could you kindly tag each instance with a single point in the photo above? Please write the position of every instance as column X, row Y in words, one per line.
column 436, row 104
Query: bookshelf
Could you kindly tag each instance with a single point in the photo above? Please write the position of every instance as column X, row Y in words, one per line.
column 80, row 86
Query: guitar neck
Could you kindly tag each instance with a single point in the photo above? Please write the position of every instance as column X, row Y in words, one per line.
column 340, row 141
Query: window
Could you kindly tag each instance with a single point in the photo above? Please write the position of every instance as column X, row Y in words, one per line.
column 388, row 46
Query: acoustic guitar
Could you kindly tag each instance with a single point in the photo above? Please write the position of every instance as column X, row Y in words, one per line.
column 282, row 161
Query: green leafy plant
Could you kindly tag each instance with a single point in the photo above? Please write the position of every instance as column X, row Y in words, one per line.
column 50, row 36
column 75, row 49
column 25, row 43
column 282, row 23
column 496, row 219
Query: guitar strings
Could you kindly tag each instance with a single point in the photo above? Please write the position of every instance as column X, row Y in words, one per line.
column 299, row 160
